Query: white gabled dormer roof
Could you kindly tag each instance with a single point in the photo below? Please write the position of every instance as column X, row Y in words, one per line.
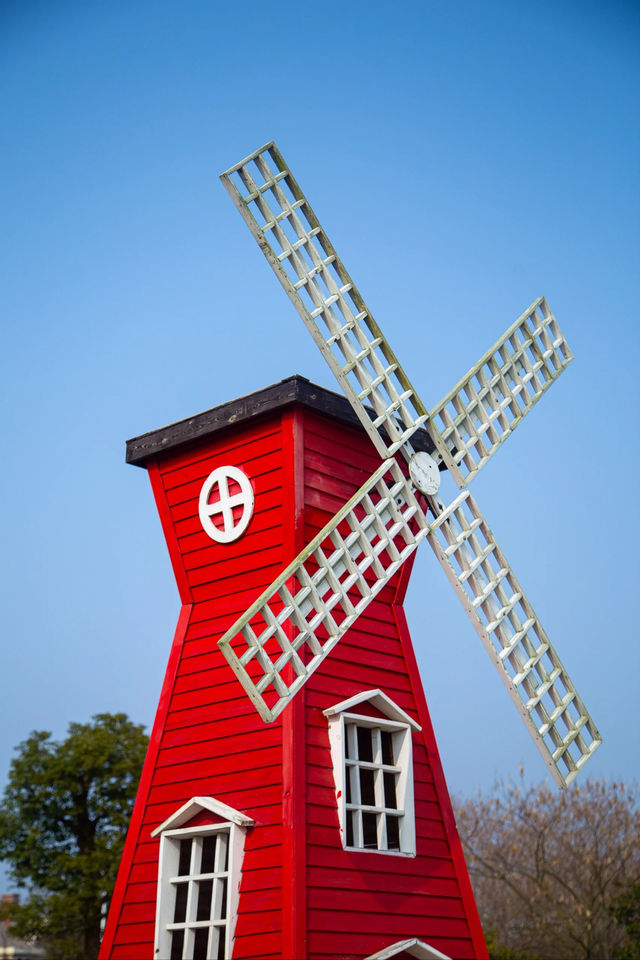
column 377, row 699
column 414, row 947
column 196, row 805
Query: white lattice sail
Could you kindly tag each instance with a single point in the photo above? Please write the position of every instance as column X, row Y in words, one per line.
column 315, row 279
column 290, row 629
column 297, row 621
column 514, row 638
column 485, row 407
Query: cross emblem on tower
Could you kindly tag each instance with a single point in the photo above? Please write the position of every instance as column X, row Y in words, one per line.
column 234, row 509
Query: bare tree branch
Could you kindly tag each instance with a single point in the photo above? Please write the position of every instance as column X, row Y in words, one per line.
column 548, row 868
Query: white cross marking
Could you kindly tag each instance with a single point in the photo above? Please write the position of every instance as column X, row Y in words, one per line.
column 227, row 501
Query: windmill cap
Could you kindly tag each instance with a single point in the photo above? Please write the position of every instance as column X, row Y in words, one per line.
column 292, row 391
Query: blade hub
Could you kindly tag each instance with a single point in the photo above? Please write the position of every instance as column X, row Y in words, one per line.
column 424, row 472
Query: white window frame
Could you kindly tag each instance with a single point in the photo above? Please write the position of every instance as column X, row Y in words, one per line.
column 234, row 824
column 400, row 725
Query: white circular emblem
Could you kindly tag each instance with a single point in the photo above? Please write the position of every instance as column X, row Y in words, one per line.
column 424, row 472
column 233, row 490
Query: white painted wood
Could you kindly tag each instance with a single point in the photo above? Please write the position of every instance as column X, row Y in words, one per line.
column 224, row 504
column 379, row 700
column 467, row 427
column 514, row 638
column 486, row 406
column 316, row 281
column 424, row 472
column 194, row 806
column 229, row 850
column 412, row 948
column 343, row 724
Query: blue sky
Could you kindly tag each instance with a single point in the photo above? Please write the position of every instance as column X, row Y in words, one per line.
column 464, row 158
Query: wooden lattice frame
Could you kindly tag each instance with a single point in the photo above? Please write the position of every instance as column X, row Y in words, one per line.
column 287, row 230
column 506, row 623
column 485, row 407
column 290, row 629
column 466, row 427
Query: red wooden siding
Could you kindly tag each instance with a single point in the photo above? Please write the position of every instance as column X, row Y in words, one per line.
column 208, row 739
column 301, row 894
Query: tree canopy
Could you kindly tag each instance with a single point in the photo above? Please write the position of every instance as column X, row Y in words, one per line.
column 556, row 874
column 63, row 819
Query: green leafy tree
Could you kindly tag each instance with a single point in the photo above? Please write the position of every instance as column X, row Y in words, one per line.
column 554, row 872
column 63, row 819
column 626, row 910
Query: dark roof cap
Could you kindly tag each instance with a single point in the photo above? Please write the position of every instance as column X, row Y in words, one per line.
column 294, row 390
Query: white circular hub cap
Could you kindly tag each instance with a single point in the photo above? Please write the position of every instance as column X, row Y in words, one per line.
column 424, row 472
column 231, row 488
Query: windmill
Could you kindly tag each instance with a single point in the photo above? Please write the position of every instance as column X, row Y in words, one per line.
column 324, row 829
column 293, row 626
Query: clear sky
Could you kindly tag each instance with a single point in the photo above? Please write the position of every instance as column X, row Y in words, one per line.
column 464, row 158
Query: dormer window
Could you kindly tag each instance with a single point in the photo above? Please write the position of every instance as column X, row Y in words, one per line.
column 198, row 880
column 371, row 749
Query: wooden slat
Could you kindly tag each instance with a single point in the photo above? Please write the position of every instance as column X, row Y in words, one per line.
column 486, row 406
column 512, row 635
column 370, row 537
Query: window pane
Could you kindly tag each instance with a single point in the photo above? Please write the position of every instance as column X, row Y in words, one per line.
column 390, row 790
column 393, row 833
column 223, row 894
column 370, row 831
column 180, row 912
column 367, row 789
column 220, row 933
column 387, row 747
column 350, row 815
column 177, row 940
column 208, row 854
column 184, row 865
column 205, row 889
column 201, row 943
column 365, row 747
column 224, row 858
column 347, row 784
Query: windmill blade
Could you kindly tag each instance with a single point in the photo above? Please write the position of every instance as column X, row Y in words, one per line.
column 512, row 635
column 485, row 407
column 315, row 279
column 290, row 629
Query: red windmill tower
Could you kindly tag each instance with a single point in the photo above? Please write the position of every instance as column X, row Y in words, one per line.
column 292, row 803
